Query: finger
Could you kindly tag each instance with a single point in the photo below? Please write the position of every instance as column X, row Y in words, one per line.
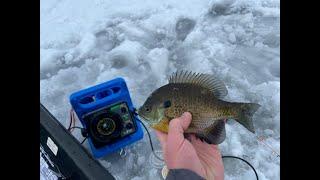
column 162, row 138
column 177, row 127
column 186, row 120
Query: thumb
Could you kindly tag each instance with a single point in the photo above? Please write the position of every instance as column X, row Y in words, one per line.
column 178, row 125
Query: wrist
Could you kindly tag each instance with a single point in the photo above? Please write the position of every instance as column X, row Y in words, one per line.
column 185, row 174
column 188, row 164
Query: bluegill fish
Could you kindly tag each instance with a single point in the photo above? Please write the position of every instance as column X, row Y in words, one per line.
column 201, row 95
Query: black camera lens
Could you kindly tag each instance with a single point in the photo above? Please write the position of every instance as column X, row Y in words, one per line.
column 106, row 126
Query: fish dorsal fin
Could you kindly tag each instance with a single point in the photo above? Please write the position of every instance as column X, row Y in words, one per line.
column 208, row 81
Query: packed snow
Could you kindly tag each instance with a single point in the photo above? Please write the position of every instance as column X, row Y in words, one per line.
column 84, row 43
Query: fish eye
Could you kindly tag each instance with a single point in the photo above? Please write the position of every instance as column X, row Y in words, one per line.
column 167, row 104
column 148, row 109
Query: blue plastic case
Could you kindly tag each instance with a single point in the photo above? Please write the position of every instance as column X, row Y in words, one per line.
column 99, row 96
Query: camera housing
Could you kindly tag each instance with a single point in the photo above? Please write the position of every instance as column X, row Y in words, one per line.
column 109, row 124
column 106, row 112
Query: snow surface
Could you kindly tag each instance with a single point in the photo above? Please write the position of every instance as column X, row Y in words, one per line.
column 84, row 43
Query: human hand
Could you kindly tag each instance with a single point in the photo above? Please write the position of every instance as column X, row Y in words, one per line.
column 190, row 153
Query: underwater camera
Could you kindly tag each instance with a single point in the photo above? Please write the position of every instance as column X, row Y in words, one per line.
column 107, row 115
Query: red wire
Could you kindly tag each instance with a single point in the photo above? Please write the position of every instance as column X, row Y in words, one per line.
column 70, row 121
column 73, row 119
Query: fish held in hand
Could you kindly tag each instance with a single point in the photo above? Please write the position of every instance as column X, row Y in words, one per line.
column 201, row 95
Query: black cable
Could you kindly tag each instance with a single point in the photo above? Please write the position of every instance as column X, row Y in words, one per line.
column 83, row 140
column 71, row 119
column 75, row 127
column 70, row 123
column 154, row 153
column 235, row 157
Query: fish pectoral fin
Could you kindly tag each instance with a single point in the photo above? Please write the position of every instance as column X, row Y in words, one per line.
column 215, row 134
column 162, row 126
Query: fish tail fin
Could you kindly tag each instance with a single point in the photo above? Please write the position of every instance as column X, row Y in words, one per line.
column 245, row 113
